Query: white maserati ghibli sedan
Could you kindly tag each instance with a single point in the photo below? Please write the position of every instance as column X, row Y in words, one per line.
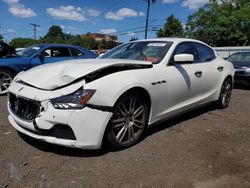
column 82, row 103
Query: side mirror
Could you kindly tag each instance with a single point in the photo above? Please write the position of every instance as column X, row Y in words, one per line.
column 183, row 58
column 41, row 57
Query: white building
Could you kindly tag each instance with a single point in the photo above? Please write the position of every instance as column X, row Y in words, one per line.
column 227, row 51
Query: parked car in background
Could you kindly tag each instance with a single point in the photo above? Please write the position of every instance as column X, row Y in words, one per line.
column 241, row 62
column 6, row 50
column 116, row 97
column 37, row 55
column 19, row 49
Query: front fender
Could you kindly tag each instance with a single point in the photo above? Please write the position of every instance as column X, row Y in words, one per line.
column 14, row 64
column 111, row 87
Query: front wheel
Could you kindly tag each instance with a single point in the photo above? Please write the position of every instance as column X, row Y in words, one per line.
column 128, row 122
column 225, row 94
column 6, row 78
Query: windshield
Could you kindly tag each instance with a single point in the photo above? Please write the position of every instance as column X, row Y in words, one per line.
column 153, row 51
column 240, row 57
column 27, row 52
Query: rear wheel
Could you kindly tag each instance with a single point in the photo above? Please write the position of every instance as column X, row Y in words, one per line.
column 128, row 122
column 6, row 78
column 225, row 94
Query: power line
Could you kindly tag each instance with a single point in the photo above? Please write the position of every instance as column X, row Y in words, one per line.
column 34, row 29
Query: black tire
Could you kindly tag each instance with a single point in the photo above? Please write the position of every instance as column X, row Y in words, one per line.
column 128, row 124
column 225, row 93
column 6, row 78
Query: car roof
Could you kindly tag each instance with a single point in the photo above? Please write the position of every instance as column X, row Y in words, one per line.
column 240, row 53
column 57, row 45
column 171, row 39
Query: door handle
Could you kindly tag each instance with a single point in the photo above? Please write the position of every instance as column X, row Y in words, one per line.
column 220, row 69
column 198, row 73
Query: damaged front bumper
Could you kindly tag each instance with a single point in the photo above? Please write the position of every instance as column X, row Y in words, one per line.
column 82, row 128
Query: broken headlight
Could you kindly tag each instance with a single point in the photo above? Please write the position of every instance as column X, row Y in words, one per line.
column 76, row 100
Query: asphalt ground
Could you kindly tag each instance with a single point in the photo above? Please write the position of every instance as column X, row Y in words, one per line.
column 205, row 148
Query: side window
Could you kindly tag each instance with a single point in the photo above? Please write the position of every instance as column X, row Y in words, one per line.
column 205, row 53
column 76, row 53
column 187, row 48
column 60, row 52
column 47, row 53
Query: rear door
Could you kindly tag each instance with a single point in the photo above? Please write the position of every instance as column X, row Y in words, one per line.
column 212, row 70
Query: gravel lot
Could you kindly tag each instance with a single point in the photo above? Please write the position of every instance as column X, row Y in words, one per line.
column 207, row 148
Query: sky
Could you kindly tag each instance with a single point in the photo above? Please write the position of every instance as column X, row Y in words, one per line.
column 124, row 18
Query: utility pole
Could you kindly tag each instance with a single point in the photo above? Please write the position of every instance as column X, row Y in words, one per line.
column 148, row 9
column 34, row 29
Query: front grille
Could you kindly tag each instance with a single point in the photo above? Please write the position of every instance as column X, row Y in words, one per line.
column 63, row 131
column 24, row 108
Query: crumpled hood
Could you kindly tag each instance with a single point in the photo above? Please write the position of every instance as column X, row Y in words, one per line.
column 52, row 76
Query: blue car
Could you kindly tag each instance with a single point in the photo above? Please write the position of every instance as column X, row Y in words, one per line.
column 37, row 55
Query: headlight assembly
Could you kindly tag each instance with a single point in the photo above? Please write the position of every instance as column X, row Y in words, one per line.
column 76, row 100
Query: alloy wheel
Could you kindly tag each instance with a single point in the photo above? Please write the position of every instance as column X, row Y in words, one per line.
column 5, row 81
column 226, row 92
column 129, row 120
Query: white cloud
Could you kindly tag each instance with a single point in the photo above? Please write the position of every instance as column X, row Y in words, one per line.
column 19, row 10
column 7, row 31
column 71, row 27
column 67, row 27
column 194, row 4
column 130, row 34
column 62, row 26
column 108, row 31
column 141, row 14
column 11, row 1
column 169, row 1
column 93, row 12
column 73, row 32
column 122, row 13
column 67, row 13
column 10, row 31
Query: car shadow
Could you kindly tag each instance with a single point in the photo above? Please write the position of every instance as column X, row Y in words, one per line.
column 61, row 150
column 241, row 86
column 180, row 118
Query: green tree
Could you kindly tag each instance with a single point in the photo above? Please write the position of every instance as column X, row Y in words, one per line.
column 54, row 35
column 102, row 44
column 172, row 28
column 221, row 24
column 23, row 42
column 1, row 37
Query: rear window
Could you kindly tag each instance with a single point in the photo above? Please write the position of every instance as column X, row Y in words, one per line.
column 204, row 52
column 60, row 52
column 76, row 53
